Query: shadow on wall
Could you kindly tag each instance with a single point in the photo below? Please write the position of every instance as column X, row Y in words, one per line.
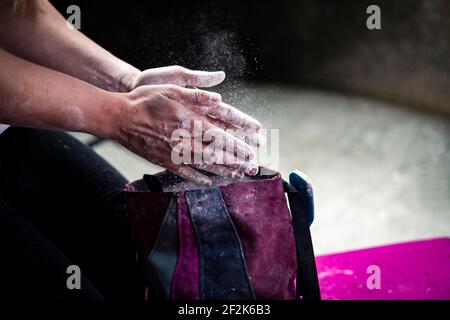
column 326, row 44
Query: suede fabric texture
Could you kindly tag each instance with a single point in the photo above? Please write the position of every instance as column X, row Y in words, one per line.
column 258, row 209
column 262, row 219
column 186, row 279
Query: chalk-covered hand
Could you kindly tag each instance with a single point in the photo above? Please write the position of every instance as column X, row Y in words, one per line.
column 149, row 116
column 176, row 75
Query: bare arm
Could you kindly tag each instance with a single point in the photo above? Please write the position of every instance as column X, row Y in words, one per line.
column 34, row 96
column 43, row 37
column 142, row 120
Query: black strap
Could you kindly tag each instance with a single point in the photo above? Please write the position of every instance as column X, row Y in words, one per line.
column 161, row 261
column 307, row 280
column 223, row 270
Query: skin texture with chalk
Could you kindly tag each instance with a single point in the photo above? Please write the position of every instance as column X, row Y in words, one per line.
column 114, row 99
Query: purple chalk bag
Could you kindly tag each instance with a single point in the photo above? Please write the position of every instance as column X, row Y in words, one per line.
column 232, row 241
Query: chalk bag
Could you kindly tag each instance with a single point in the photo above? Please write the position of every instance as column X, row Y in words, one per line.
column 232, row 241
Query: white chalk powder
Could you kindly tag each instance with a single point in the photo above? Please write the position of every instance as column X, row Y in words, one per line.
column 3, row 127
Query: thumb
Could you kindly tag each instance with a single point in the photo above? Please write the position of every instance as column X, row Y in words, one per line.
column 203, row 79
column 193, row 97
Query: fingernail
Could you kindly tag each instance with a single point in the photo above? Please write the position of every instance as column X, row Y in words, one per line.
column 237, row 175
column 250, row 155
column 205, row 181
column 216, row 98
column 252, row 169
column 256, row 140
column 261, row 140
column 258, row 127
column 221, row 74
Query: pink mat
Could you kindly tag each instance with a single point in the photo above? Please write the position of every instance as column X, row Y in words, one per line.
column 407, row 271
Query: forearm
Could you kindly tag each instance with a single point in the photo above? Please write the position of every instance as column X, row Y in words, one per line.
column 37, row 97
column 45, row 39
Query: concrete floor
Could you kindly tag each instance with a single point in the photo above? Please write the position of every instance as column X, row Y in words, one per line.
column 380, row 174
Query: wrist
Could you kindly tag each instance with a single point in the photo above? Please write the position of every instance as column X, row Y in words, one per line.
column 128, row 79
column 108, row 118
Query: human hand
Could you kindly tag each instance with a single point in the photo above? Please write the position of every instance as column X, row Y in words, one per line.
column 149, row 115
column 176, row 75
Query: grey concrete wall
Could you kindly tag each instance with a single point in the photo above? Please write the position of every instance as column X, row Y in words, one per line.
column 326, row 44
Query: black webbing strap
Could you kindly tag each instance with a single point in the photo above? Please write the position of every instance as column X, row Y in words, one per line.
column 307, row 282
column 223, row 270
column 161, row 261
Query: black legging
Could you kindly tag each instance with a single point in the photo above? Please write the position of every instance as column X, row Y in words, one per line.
column 59, row 206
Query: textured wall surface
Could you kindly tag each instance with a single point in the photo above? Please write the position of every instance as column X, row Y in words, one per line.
column 319, row 43
column 325, row 43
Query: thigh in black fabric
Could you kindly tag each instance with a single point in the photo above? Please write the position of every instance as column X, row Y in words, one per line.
column 69, row 193
column 31, row 267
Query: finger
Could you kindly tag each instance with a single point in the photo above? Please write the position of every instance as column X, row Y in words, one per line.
column 218, row 123
column 208, row 155
column 179, row 76
column 190, row 174
column 231, row 115
column 203, row 79
column 192, row 151
column 253, row 139
column 194, row 96
column 250, row 168
column 221, row 140
column 221, row 170
column 213, row 156
column 249, row 136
